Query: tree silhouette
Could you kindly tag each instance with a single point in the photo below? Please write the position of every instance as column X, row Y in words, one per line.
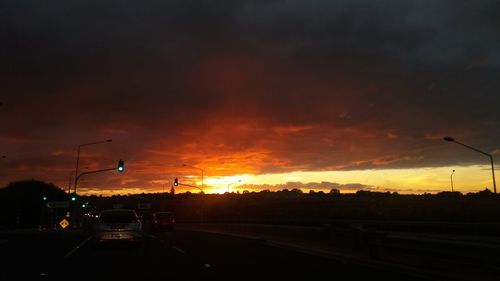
column 22, row 202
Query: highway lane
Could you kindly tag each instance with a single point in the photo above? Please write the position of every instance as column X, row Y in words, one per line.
column 72, row 255
column 32, row 254
column 182, row 255
column 253, row 259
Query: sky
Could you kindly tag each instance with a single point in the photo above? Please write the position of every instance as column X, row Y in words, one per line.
column 352, row 95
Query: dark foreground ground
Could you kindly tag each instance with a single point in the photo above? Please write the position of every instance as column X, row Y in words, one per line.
column 183, row 255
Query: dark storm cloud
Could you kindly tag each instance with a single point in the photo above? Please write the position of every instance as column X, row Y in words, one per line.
column 309, row 85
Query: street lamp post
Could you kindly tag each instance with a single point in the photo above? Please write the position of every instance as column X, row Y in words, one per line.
column 452, row 172
column 450, row 139
column 186, row 165
column 78, row 157
column 231, row 184
column 70, row 180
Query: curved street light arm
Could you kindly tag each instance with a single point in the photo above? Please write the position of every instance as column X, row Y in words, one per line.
column 470, row 147
column 450, row 139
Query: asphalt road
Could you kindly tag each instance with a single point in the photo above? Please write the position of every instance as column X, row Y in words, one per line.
column 183, row 255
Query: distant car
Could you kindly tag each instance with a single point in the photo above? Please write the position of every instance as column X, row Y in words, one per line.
column 163, row 221
column 118, row 225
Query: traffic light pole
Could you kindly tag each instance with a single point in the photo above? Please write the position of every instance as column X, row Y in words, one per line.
column 76, row 183
column 202, row 202
column 191, row 186
column 91, row 172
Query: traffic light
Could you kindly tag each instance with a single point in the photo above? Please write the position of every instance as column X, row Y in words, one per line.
column 176, row 182
column 121, row 166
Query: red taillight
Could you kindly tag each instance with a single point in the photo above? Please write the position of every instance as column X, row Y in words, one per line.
column 155, row 221
column 173, row 221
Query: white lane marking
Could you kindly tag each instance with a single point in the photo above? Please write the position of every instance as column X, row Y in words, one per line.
column 77, row 247
column 179, row 250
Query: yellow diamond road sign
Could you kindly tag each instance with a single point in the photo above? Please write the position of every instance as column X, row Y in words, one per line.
column 64, row 223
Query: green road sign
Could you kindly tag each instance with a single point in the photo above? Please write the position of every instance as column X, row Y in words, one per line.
column 57, row 204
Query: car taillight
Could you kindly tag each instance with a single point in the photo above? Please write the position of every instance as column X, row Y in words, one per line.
column 173, row 221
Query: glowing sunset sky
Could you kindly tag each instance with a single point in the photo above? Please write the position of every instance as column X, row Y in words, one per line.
column 354, row 95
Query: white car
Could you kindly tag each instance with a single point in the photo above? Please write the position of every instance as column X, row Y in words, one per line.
column 118, row 225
